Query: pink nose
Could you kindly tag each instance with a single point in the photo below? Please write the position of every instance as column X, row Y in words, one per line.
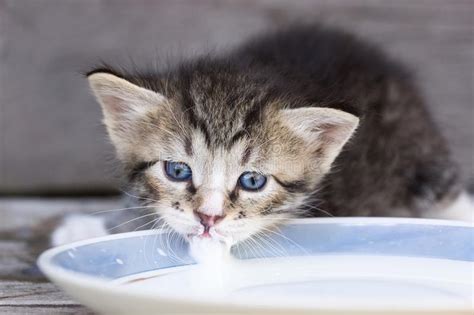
column 208, row 220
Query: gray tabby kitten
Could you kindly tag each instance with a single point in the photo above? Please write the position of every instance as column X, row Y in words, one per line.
column 306, row 122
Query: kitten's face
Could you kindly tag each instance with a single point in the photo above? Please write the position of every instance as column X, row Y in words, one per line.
column 216, row 169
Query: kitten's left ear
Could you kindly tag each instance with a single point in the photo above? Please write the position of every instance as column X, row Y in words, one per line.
column 324, row 130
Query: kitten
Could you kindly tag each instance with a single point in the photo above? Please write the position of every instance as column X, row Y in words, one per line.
column 304, row 122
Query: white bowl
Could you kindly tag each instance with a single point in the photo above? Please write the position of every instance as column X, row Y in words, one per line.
column 323, row 266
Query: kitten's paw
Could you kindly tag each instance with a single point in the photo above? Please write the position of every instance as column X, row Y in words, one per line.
column 461, row 209
column 78, row 227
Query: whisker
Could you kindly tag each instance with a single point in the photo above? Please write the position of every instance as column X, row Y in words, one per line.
column 171, row 254
column 149, row 222
column 121, row 209
column 138, row 197
column 280, row 234
column 145, row 243
column 310, row 207
column 269, row 241
column 253, row 244
column 175, row 236
column 250, row 243
column 132, row 220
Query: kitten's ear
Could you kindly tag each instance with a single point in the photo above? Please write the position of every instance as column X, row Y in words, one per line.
column 324, row 130
column 123, row 104
column 120, row 99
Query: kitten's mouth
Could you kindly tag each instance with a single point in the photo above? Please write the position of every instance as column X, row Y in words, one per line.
column 204, row 234
column 208, row 232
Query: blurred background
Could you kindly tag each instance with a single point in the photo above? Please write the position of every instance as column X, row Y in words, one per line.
column 51, row 139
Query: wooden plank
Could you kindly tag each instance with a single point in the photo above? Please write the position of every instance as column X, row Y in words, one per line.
column 44, row 309
column 23, row 290
column 22, row 297
column 14, row 293
column 14, row 260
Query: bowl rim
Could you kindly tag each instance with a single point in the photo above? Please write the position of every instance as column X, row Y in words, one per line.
column 61, row 275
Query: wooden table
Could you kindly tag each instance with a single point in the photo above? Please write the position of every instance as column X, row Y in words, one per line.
column 22, row 288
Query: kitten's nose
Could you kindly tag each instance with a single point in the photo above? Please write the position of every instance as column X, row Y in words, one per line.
column 208, row 220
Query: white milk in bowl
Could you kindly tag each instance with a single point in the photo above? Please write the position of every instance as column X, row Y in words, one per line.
column 362, row 281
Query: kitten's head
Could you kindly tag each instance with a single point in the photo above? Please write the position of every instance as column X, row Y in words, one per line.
column 216, row 154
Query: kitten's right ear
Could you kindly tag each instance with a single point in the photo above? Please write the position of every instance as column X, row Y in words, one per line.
column 123, row 104
column 121, row 100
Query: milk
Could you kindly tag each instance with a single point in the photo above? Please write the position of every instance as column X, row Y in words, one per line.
column 354, row 280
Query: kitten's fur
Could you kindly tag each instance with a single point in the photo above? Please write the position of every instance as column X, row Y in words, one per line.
column 338, row 127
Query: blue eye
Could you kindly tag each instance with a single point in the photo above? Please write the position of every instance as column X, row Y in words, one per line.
column 252, row 181
column 178, row 170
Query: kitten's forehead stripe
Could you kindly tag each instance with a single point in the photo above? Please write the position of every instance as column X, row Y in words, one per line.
column 187, row 102
column 253, row 115
column 246, row 155
column 237, row 136
column 188, row 147
column 221, row 104
column 201, row 124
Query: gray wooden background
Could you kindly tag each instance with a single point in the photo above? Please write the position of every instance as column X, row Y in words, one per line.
column 51, row 140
